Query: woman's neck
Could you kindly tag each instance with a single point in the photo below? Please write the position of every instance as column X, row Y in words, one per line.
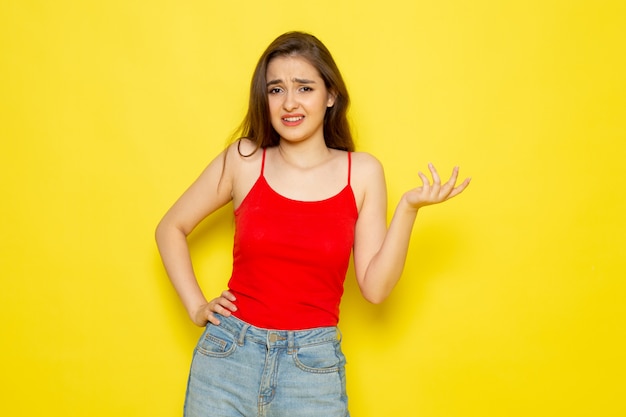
column 304, row 155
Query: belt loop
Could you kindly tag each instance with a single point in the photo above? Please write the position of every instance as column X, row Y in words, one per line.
column 290, row 342
column 242, row 334
column 339, row 334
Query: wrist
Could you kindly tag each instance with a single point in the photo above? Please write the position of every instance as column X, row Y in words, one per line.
column 195, row 309
column 407, row 207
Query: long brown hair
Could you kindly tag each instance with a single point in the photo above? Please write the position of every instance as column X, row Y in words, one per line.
column 256, row 125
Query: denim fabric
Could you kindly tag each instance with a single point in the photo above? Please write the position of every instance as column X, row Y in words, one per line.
column 241, row 370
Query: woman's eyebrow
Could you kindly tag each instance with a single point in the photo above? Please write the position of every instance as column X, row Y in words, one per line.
column 303, row 81
column 296, row 80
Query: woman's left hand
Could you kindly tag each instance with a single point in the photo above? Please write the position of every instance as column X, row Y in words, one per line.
column 435, row 193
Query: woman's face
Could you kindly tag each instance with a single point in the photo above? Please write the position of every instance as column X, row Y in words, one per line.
column 297, row 98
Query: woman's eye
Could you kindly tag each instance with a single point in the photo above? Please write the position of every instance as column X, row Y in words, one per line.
column 274, row 90
column 306, row 88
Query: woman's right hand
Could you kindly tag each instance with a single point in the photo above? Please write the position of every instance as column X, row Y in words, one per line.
column 222, row 305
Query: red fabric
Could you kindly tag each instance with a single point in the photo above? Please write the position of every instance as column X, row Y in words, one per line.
column 290, row 257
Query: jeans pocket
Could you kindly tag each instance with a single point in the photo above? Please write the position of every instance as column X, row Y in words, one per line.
column 216, row 342
column 319, row 358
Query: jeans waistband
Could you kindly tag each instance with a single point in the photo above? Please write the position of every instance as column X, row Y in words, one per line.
column 243, row 331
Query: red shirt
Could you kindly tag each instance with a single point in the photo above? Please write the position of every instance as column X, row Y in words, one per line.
column 290, row 257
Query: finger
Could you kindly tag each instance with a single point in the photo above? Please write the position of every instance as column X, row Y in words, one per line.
column 425, row 180
column 212, row 319
column 224, row 301
column 229, row 295
column 223, row 307
column 227, row 304
column 448, row 187
column 458, row 190
column 435, row 174
column 454, row 176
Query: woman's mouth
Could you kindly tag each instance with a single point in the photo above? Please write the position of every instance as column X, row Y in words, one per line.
column 292, row 120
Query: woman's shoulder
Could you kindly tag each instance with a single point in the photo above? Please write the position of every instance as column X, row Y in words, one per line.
column 243, row 148
column 368, row 178
column 365, row 164
column 241, row 155
column 243, row 167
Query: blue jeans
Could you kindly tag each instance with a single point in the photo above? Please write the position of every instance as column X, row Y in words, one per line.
column 244, row 371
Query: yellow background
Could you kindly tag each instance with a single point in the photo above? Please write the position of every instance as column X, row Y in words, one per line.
column 512, row 302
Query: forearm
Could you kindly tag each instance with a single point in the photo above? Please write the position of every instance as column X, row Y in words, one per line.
column 172, row 244
column 385, row 269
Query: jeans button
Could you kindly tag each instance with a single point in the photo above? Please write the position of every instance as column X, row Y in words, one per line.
column 273, row 338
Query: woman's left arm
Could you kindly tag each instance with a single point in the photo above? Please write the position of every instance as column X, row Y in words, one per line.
column 380, row 252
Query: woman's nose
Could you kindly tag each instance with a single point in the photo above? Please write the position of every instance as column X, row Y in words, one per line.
column 290, row 103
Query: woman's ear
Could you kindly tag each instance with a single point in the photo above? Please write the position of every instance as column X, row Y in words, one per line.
column 331, row 99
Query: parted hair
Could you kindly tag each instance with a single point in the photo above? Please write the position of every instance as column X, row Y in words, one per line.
column 256, row 125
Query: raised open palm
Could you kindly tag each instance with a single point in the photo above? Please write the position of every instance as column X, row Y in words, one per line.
column 435, row 192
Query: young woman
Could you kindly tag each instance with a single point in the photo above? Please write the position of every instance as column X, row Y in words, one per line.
column 303, row 202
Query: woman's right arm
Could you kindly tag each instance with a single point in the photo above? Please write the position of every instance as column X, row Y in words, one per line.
column 212, row 190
